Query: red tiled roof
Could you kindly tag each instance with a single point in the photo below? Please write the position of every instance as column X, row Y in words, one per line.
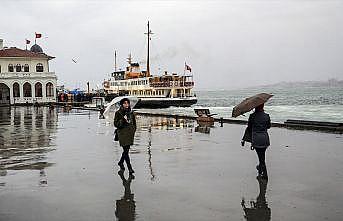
column 16, row 52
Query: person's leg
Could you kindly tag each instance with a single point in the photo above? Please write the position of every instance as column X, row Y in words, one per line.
column 127, row 159
column 258, row 167
column 121, row 161
column 262, row 169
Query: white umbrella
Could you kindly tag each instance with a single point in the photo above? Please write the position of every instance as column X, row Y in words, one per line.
column 114, row 105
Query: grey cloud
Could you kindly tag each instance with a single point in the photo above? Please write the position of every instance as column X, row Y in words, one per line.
column 229, row 44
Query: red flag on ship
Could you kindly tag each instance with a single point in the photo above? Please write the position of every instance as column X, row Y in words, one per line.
column 188, row 68
column 27, row 41
column 38, row 35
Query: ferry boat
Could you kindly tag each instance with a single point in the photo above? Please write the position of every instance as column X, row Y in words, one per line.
column 154, row 91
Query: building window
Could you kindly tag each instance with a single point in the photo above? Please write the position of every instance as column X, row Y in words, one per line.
column 16, row 90
column 38, row 90
column 27, row 90
column 10, row 68
column 39, row 67
column 26, row 68
column 18, row 68
column 49, row 89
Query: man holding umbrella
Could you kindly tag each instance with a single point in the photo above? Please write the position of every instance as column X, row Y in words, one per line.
column 258, row 124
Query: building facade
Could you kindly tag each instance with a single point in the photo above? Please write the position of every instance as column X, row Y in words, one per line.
column 25, row 77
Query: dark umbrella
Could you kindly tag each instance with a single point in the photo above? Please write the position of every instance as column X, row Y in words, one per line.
column 250, row 103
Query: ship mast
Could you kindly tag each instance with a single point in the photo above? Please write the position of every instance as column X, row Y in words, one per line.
column 129, row 60
column 115, row 60
column 148, row 55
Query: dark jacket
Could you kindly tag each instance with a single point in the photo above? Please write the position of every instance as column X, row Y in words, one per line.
column 247, row 135
column 259, row 122
column 126, row 130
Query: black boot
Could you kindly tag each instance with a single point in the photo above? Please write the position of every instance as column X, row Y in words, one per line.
column 259, row 170
column 131, row 171
column 121, row 165
column 264, row 174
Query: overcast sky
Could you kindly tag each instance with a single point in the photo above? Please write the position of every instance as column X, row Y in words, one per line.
column 228, row 44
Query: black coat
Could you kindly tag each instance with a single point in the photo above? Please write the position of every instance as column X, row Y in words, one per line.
column 258, row 124
column 126, row 129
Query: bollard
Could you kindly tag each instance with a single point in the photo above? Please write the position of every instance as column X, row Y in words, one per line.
column 102, row 110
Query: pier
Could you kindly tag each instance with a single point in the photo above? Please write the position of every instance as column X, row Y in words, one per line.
column 331, row 127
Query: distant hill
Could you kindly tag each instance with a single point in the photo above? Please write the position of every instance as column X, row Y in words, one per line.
column 329, row 83
column 284, row 84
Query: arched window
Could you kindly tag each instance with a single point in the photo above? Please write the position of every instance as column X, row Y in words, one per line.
column 10, row 68
column 27, row 90
column 26, row 68
column 18, row 68
column 39, row 67
column 16, row 90
column 4, row 94
column 49, row 89
column 38, row 90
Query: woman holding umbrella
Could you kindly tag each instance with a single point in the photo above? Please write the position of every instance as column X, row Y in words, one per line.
column 258, row 124
column 125, row 122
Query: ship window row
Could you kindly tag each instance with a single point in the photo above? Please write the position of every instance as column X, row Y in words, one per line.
column 141, row 82
column 24, row 68
column 147, row 93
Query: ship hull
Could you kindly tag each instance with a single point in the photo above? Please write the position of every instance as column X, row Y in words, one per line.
column 166, row 102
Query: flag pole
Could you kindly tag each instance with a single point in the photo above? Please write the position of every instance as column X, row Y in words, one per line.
column 184, row 69
column 35, row 37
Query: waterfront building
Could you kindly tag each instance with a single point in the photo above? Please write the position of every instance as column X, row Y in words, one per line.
column 25, row 77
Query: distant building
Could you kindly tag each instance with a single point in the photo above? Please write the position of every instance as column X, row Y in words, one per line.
column 25, row 77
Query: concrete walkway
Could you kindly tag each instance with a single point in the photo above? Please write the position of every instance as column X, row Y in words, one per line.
column 183, row 172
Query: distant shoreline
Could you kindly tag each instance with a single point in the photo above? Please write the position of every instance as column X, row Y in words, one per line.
column 328, row 83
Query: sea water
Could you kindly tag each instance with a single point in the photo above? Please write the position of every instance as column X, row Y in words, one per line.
column 301, row 102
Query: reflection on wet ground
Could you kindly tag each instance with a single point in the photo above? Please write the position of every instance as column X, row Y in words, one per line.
column 126, row 206
column 25, row 137
column 184, row 171
column 258, row 209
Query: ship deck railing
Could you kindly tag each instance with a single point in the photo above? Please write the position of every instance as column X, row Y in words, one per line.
column 172, row 84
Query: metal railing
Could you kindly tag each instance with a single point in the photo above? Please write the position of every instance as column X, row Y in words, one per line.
column 172, row 84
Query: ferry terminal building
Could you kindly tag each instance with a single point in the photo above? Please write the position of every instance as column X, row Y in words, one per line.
column 25, row 77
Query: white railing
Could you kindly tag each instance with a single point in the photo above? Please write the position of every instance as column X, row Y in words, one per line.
column 32, row 100
column 172, row 84
column 27, row 74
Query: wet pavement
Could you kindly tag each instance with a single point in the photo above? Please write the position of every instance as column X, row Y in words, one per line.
column 60, row 165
